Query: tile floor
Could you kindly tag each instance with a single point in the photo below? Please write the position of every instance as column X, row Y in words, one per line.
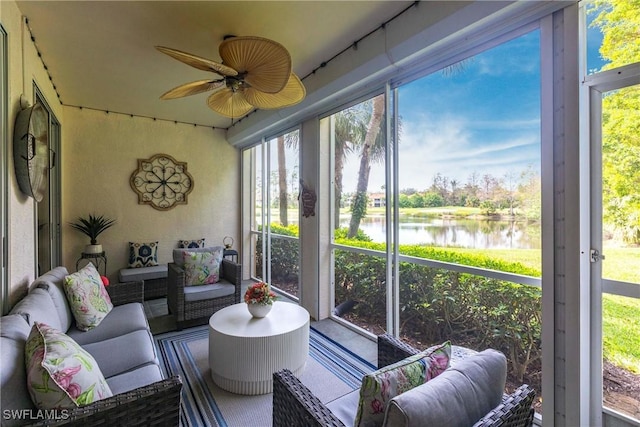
column 161, row 321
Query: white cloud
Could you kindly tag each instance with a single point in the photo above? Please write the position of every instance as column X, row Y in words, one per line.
column 449, row 146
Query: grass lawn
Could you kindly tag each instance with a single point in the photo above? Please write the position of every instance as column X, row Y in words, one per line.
column 621, row 331
column 621, row 264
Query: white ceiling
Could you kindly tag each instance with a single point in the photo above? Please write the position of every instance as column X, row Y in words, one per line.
column 101, row 54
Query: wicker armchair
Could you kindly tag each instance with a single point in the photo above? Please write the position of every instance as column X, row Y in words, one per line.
column 199, row 311
column 295, row 405
column 155, row 404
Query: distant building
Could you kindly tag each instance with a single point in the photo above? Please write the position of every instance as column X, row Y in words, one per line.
column 377, row 200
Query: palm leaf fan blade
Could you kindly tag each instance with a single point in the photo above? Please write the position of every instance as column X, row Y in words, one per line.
column 192, row 88
column 267, row 63
column 229, row 104
column 293, row 93
column 198, row 62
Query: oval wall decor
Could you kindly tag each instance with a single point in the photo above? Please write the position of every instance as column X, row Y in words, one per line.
column 31, row 150
column 162, row 182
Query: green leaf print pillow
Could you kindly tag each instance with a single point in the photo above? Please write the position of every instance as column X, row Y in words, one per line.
column 60, row 373
column 87, row 296
column 379, row 387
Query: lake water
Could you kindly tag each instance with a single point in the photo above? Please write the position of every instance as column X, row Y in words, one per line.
column 465, row 233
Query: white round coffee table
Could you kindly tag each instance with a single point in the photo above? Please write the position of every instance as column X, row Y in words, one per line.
column 244, row 351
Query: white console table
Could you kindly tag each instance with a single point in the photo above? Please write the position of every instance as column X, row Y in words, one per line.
column 244, row 351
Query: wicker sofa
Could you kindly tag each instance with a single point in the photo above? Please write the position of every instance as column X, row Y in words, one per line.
column 193, row 305
column 122, row 346
column 295, row 405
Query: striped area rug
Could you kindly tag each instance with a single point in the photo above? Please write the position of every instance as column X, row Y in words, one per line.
column 330, row 372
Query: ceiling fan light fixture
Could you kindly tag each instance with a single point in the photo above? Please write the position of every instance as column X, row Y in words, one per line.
column 256, row 73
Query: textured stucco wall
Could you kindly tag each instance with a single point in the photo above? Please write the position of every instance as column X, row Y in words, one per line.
column 25, row 69
column 99, row 153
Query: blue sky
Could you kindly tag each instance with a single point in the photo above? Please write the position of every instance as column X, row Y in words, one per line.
column 483, row 116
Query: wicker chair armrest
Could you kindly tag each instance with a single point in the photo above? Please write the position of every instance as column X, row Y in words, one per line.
column 392, row 350
column 175, row 290
column 232, row 271
column 295, row 405
column 175, row 276
column 515, row 410
column 127, row 292
column 154, row 404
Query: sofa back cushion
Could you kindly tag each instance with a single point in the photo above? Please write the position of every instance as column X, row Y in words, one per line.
column 380, row 386
column 458, row 397
column 39, row 307
column 13, row 379
column 15, row 327
column 52, row 283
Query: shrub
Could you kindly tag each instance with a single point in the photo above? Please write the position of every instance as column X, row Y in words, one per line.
column 285, row 254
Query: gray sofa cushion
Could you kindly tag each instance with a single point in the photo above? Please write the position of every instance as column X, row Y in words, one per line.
column 39, row 306
column 143, row 273
column 345, row 407
column 14, row 326
column 133, row 379
column 124, row 353
column 460, row 396
column 205, row 292
column 52, row 283
column 13, row 378
column 121, row 320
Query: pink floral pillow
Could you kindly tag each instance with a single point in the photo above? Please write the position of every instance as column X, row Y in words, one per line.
column 201, row 268
column 60, row 373
column 379, row 387
column 87, row 296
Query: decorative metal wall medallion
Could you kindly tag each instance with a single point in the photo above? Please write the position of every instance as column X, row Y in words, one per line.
column 162, row 182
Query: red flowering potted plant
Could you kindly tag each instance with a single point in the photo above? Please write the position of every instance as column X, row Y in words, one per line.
column 259, row 298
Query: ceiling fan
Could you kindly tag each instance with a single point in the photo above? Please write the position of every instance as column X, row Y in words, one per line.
column 255, row 73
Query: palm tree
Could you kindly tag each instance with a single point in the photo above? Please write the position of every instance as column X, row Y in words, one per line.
column 289, row 140
column 372, row 149
column 350, row 132
column 282, row 181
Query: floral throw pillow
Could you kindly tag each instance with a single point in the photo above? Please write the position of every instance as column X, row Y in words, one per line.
column 87, row 296
column 201, row 268
column 143, row 254
column 379, row 387
column 189, row 244
column 60, row 373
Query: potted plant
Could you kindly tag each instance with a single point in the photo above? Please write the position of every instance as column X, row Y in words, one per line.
column 93, row 227
column 259, row 298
